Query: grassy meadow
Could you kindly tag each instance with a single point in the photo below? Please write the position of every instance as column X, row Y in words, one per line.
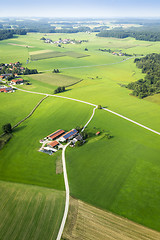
column 117, row 174
column 121, row 174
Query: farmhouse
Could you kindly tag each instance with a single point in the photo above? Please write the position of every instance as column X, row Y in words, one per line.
column 69, row 135
column 77, row 138
column 17, row 81
column 6, row 89
column 55, row 135
column 53, row 144
column 6, row 75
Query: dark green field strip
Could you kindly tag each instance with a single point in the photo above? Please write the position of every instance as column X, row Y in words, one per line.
column 55, row 54
column 29, row 212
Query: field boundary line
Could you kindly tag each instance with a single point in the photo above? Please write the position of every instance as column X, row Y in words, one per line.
column 91, row 104
column 31, row 113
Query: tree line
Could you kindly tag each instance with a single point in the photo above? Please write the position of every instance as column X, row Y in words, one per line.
column 151, row 83
column 144, row 35
column 5, row 34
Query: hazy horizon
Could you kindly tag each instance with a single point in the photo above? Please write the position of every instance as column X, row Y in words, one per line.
column 82, row 9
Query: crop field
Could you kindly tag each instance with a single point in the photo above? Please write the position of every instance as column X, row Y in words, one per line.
column 56, row 79
column 44, row 54
column 120, row 175
column 29, row 212
column 90, row 223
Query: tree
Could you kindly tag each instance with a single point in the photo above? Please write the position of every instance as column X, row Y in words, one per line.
column 7, row 128
column 43, row 38
column 86, row 49
column 99, row 107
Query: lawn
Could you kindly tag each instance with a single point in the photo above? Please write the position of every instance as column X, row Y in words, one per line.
column 29, row 212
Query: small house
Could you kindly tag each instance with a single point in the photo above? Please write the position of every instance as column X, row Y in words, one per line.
column 53, row 144
column 6, row 89
column 17, row 81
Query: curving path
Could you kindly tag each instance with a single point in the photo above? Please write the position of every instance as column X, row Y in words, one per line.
column 67, row 194
column 66, row 182
column 89, row 119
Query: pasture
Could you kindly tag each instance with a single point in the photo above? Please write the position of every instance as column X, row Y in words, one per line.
column 29, row 212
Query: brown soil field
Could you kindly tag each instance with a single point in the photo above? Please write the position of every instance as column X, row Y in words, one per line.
column 86, row 222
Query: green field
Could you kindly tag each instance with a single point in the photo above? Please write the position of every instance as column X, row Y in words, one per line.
column 121, row 174
column 29, row 212
column 118, row 172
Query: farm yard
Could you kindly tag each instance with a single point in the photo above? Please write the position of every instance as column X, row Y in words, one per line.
column 114, row 175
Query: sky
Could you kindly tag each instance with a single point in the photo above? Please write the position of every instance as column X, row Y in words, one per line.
column 80, row 8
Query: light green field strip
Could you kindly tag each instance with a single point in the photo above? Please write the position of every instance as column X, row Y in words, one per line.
column 29, row 212
column 77, row 100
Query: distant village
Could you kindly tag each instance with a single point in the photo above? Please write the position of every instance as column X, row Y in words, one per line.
column 9, row 75
column 119, row 53
column 63, row 41
column 53, row 142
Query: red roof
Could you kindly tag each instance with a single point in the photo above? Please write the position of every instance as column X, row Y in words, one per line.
column 53, row 144
column 2, row 89
column 56, row 134
column 97, row 133
column 17, row 80
column 1, row 76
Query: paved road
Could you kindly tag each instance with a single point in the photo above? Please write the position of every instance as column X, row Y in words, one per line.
column 91, row 104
